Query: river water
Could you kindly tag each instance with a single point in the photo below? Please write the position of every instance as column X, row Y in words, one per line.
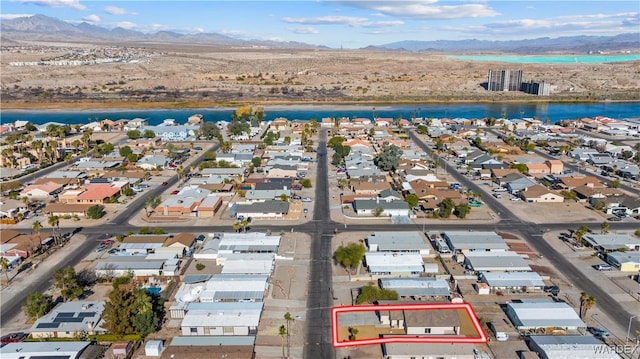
column 551, row 112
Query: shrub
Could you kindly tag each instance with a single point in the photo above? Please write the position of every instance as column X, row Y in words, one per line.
column 200, row 266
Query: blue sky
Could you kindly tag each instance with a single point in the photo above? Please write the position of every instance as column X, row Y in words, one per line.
column 350, row 24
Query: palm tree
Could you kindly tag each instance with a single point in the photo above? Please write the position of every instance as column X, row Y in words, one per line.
column 586, row 302
column 289, row 319
column 38, row 145
column 36, row 227
column 282, row 332
column 4, row 265
column 225, row 146
column 244, row 224
column 236, row 226
column 54, row 221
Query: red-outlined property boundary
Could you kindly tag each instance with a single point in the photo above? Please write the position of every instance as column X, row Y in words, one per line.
column 480, row 339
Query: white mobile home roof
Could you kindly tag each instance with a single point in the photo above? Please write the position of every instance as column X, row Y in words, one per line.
column 537, row 314
column 248, row 263
column 465, row 240
column 426, row 287
column 570, row 346
column 223, row 315
column 383, row 262
column 26, row 350
column 611, row 242
column 249, row 244
column 512, row 279
column 396, row 242
column 496, row 261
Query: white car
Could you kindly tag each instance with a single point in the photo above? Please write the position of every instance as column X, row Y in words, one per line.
column 515, row 199
column 307, row 199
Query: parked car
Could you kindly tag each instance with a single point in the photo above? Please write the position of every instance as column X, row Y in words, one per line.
column 295, row 196
column 516, row 199
column 175, row 192
column 553, row 289
column 101, row 248
column 307, row 199
column 164, row 183
column 306, row 210
column 13, row 338
column 602, row 267
column 598, row 332
column 614, row 219
column 143, row 185
column 497, row 195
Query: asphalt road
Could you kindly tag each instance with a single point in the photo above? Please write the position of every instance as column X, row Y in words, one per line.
column 318, row 330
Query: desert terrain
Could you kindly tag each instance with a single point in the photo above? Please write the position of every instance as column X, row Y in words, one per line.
column 200, row 76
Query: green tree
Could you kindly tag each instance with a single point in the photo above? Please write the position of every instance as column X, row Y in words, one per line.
column 353, row 332
column 579, row 233
column 256, row 161
column 388, row 158
column 148, row 134
column 521, row 167
column 95, row 212
column 377, row 212
column 134, row 134
column 125, row 151
column 614, row 183
column 306, row 183
column 462, row 210
column 412, row 200
column 604, row 227
column 54, row 222
column 349, row 256
column 66, row 280
column 335, row 141
column 637, row 233
column 151, row 202
column 37, row 305
column 209, row 130
column 130, row 310
column 445, row 208
column 422, row 129
column 371, row 294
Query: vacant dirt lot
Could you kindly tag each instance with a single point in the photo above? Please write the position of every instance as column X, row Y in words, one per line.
column 201, row 75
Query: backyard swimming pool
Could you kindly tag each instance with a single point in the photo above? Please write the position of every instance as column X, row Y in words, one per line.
column 560, row 59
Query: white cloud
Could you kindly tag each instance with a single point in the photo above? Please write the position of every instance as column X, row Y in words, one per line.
column 126, row 25
column 73, row 4
column 13, row 16
column 305, row 31
column 93, row 18
column 114, row 10
column 590, row 24
column 341, row 20
column 425, row 9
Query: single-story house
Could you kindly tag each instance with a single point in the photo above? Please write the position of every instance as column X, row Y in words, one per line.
column 67, row 209
column 556, row 317
column 23, row 350
column 540, row 194
column 70, row 319
column 428, row 350
column 625, row 261
column 431, row 322
column 41, row 191
column 407, row 242
column 570, row 346
column 229, row 318
column 465, row 241
column 505, row 261
column 612, row 242
column 418, row 288
column 368, row 207
column 268, row 209
column 388, row 263
column 527, row 282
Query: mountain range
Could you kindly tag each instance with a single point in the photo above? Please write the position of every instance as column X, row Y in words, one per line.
column 44, row 28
